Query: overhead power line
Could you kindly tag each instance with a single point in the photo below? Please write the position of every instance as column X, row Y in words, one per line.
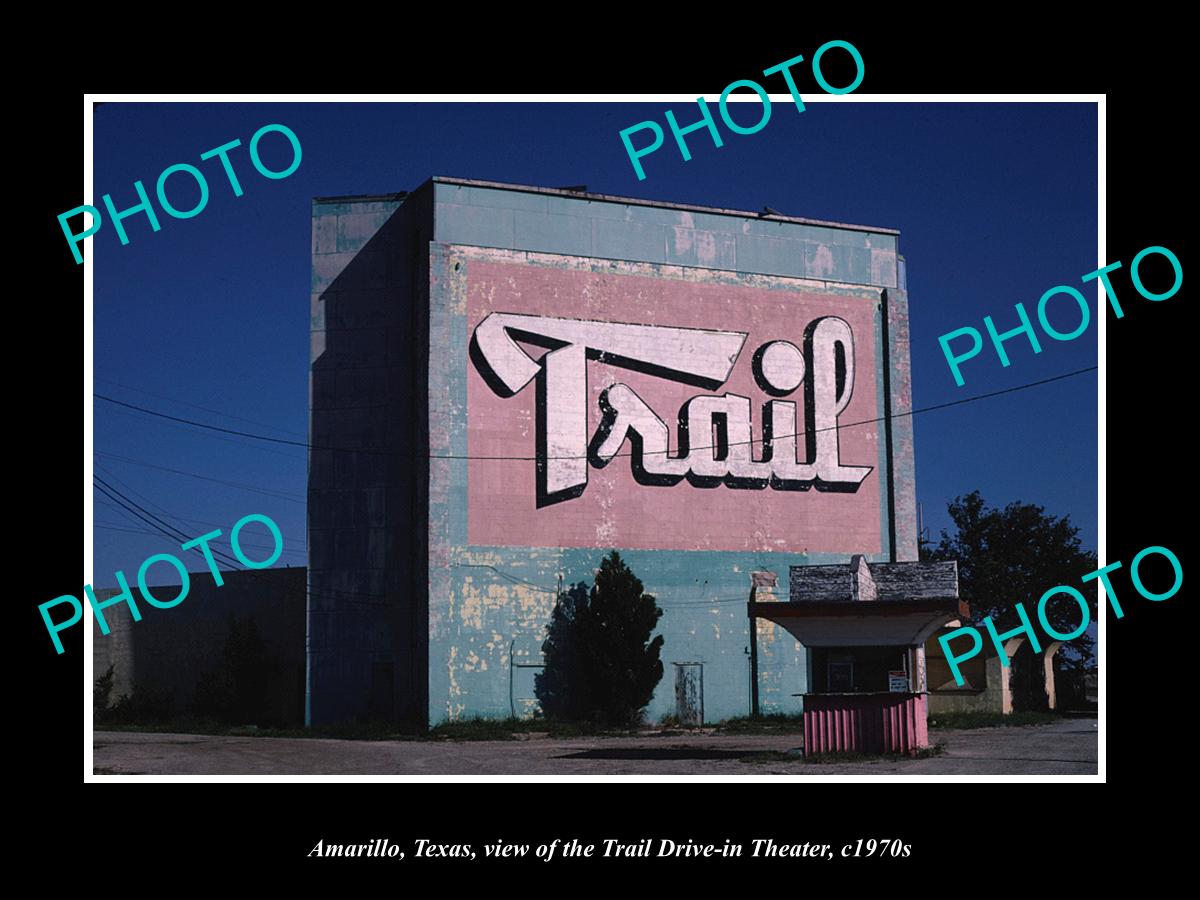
column 365, row 599
column 752, row 441
column 275, row 451
column 281, row 495
column 157, row 523
column 513, row 578
column 177, row 522
column 222, row 525
column 109, row 526
column 137, row 511
column 208, row 409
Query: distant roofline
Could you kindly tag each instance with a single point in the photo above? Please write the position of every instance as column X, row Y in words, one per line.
column 612, row 198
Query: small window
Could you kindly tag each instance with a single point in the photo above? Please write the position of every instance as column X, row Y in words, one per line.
column 841, row 673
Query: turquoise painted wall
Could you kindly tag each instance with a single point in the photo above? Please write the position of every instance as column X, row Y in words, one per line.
column 381, row 267
column 486, row 603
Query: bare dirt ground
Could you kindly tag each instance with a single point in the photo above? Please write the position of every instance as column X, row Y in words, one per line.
column 1063, row 748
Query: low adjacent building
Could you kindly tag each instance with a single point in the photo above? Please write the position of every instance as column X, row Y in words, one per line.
column 164, row 659
column 1023, row 680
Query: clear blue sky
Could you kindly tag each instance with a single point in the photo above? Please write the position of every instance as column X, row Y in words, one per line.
column 995, row 203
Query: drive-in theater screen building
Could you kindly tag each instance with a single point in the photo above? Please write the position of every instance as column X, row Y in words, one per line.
column 509, row 381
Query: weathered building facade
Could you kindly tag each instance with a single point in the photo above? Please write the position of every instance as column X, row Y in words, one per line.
column 507, row 382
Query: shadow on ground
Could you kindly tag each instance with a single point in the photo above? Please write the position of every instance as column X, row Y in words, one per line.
column 667, row 753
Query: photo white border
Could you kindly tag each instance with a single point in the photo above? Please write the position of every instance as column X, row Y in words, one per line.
column 88, row 360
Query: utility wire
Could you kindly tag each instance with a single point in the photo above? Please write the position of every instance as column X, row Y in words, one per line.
column 197, row 406
column 281, row 495
column 145, row 519
column 344, row 596
column 200, row 522
column 216, row 437
column 177, row 522
column 752, row 441
column 157, row 523
column 373, row 600
column 109, row 526
column 174, row 529
column 351, row 596
column 514, row 579
column 126, row 514
column 521, row 581
column 336, row 595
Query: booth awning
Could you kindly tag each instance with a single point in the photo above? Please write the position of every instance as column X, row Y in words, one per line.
column 877, row 623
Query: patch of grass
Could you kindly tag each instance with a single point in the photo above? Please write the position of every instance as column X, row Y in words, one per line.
column 355, row 731
column 182, row 725
column 579, row 729
column 477, row 729
column 938, row 749
column 366, row 731
column 774, row 723
column 990, row 719
column 482, row 729
column 474, row 729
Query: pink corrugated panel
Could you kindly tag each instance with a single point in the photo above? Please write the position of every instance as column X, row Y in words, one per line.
column 870, row 723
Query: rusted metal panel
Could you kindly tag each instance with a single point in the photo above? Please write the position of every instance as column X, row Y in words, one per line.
column 865, row 723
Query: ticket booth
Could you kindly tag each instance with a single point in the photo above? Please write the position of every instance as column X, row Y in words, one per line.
column 863, row 627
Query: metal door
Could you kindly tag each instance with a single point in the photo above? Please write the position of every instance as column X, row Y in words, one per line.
column 689, row 693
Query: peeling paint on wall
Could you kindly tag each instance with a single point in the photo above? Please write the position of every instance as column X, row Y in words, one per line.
column 490, row 248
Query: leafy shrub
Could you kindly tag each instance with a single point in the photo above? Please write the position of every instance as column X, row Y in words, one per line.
column 101, row 692
column 600, row 664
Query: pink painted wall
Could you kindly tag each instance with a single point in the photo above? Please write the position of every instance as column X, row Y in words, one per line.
column 614, row 510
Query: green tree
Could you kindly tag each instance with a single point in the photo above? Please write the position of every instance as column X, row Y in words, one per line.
column 601, row 664
column 1014, row 555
